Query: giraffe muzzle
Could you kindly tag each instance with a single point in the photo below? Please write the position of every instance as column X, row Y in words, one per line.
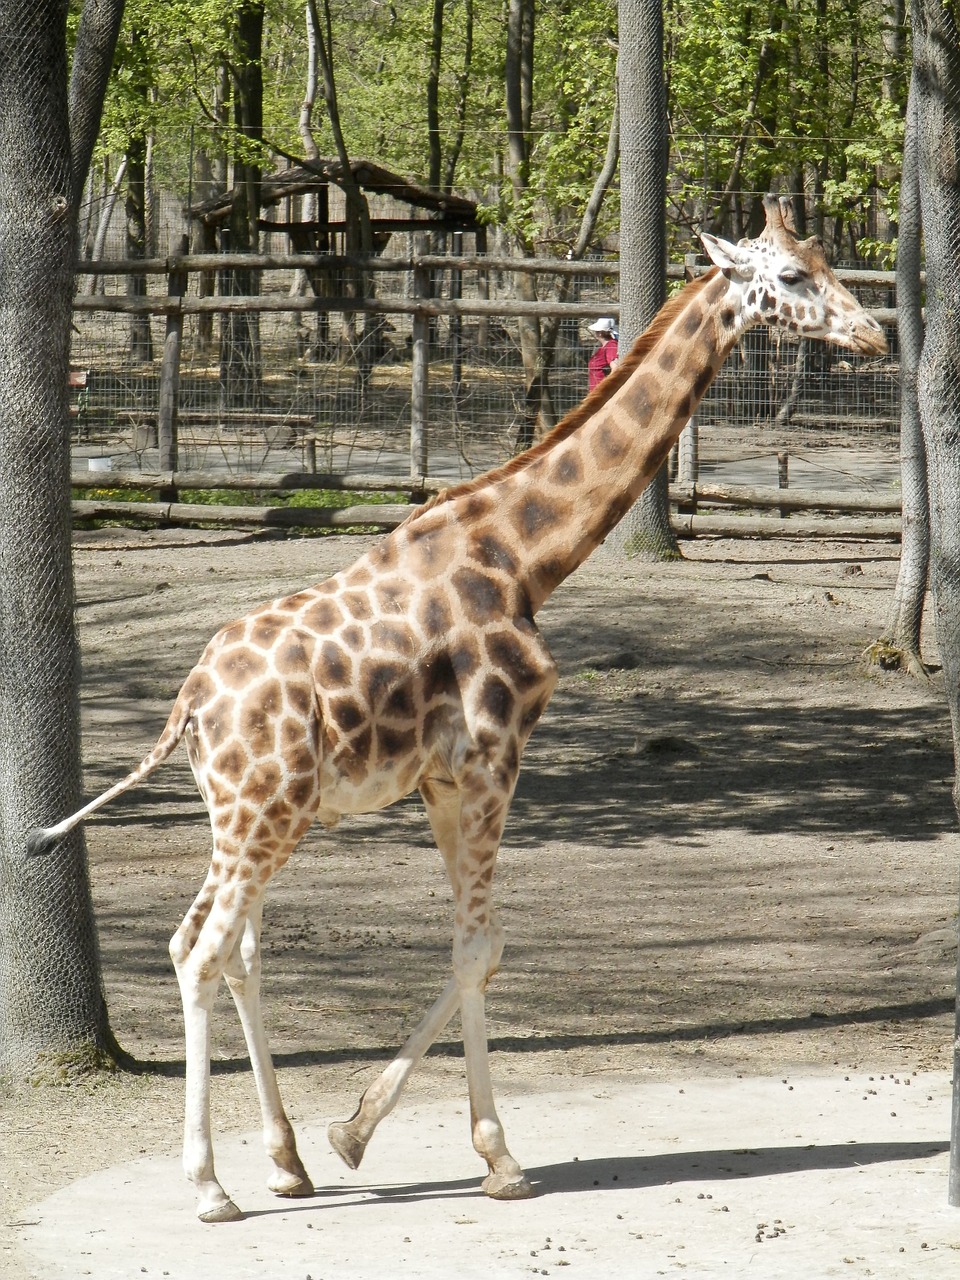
column 860, row 333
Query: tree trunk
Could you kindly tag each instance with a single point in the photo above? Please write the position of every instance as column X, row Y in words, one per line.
column 241, row 374
column 434, row 150
column 936, row 80
column 359, row 235
column 643, row 246
column 210, row 178
column 894, row 90
column 103, row 226
column 899, row 644
column 518, row 87
column 308, row 343
column 52, row 1007
column 141, row 336
column 460, row 110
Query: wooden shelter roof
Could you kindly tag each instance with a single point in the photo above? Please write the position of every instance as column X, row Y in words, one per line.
column 369, row 176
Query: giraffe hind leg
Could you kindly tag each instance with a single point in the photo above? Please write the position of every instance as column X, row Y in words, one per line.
column 473, row 951
column 289, row 1177
column 254, row 752
column 220, row 938
column 199, row 950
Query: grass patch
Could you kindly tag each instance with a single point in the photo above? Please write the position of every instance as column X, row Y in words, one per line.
column 341, row 499
column 249, row 497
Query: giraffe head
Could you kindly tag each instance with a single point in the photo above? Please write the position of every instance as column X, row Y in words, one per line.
column 786, row 282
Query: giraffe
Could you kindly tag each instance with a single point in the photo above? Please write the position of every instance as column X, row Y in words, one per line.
column 421, row 666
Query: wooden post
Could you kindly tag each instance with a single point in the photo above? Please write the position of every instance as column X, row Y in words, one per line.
column 419, row 377
column 170, row 372
column 483, row 291
column 783, row 477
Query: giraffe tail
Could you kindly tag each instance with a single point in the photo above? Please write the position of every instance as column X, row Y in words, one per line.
column 42, row 838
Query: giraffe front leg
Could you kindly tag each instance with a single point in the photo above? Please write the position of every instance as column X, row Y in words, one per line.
column 289, row 1177
column 349, row 1138
column 472, row 963
column 477, row 947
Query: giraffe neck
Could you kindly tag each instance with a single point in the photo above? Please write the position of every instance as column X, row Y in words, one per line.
column 566, row 499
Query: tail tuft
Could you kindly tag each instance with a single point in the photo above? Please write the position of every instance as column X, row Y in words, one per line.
column 38, row 841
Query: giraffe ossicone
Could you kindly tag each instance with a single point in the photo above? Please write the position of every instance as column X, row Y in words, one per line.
column 421, row 667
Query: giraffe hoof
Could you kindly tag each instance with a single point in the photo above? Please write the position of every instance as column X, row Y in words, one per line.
column 349, row 1148
column 291, row 1185
column 226, row 1212
column 502, row 1186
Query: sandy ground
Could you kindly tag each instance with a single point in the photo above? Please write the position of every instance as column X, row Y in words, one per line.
column 730, row 863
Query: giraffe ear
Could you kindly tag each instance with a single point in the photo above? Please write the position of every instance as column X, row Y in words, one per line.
column 727, row 256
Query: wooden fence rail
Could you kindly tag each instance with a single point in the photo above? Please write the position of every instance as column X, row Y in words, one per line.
column 430, row 261
column 687, row 522
column 268, row 482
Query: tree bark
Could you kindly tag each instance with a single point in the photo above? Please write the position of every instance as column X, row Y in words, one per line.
column 550, row 327
column 434, row 152
column 899, row 644
column 936, row 80
column 52, row 1007
column 92, row 62
column 643, row 244
column 359, row 235
column 460, row 110
column 103, row 225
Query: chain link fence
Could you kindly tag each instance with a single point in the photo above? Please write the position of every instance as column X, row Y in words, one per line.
column 429, row 379
column 343, row 391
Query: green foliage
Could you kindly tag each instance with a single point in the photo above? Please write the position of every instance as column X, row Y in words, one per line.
column 113, row 495
column 795, row 91
column 828, row 108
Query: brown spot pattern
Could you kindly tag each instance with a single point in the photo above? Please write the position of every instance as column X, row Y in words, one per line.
column 535, row 515
column 481, row 597
column 435, row 616
column 497, row 700
column 567, row 470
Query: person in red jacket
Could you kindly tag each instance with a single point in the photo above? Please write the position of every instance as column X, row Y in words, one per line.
column 604, row 359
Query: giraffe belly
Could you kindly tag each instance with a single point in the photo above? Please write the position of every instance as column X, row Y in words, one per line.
column 363, row 791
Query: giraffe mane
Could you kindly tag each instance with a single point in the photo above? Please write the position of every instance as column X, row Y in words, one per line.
column 583, row 411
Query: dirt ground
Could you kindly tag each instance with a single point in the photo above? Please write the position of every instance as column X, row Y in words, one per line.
column 731, row 850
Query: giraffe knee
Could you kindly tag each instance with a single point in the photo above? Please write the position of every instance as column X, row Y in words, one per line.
column 473, row 956
column 179, row 948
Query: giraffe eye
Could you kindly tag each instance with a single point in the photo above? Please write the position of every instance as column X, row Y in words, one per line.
column 790, row 275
